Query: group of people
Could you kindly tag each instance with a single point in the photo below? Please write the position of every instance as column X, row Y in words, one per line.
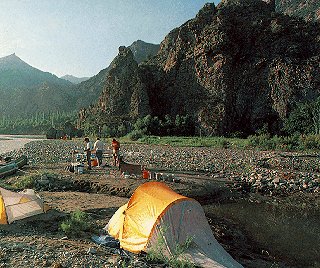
column 98, row 148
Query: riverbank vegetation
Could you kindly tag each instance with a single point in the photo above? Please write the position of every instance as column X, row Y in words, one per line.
column 259, row 141
column 300, row 130
column 53, row 125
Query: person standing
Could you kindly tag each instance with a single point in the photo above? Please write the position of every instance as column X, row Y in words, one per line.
column 88, row 148
column 115, row 151
column 98, row 147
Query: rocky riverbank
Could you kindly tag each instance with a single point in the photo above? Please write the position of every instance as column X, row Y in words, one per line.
column 215, row 177
column 269, row 173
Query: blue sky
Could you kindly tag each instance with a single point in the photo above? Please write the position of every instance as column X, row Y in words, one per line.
column 81, row 37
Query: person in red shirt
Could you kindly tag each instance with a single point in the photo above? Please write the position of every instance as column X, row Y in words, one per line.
column 115, row 151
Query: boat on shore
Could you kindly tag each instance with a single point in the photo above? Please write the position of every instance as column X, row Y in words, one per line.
column 13, row 166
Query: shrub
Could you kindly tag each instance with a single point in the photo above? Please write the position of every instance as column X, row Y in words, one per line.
column 310, row 142
column 223, row 143
column 76, row 224
column 175, row 260
column 25, row 182
column 135, row 135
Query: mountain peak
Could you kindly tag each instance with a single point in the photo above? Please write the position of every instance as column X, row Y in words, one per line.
column 74, row 79
column 12, row 61
column 142, row 50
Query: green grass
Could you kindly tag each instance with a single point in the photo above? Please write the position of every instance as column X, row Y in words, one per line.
column 309, row 143
column 77, row 224
column 25, row 182
column 219, row 142
column 157, row 253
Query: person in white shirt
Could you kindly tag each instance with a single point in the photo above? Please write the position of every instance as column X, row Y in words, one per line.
column 88, row 150
column 98, row 148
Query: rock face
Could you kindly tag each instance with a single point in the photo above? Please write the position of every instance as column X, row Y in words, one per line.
column 124, row 94
column 234, row 67
column 142, row 51
column 309, row 10
column 93, row 87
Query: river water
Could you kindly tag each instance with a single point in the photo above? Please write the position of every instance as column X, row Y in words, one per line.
column 15, row 142
column 290, row 234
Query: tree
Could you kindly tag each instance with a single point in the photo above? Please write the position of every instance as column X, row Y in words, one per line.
column 304, row 118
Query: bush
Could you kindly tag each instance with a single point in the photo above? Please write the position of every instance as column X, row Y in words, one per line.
column 175, row 260
column 223, row 143
column 77, row 224
column 135, row 135
column 25, row 182
column 310, row 142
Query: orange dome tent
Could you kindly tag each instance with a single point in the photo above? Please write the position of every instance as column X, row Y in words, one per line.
column 155, row 212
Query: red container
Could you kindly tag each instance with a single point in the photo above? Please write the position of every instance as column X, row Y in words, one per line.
column 94, row 162
column 145, row 174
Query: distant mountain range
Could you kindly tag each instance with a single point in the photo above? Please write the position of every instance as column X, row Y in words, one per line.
column 25, row 90
column 16, row 74
column 73, row 79
column 235, row 68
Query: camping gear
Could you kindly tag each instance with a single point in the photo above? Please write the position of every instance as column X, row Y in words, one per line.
column 106, row 240
column 21, row 161
column 12, row 166
column 80, row 168
column 156, row 213
column 15, row 206
column 77, row 161
column 94, row 160
column 79, row 157
column 145, row 174
column 152, row 175
column 158, row 176
column 76, row 168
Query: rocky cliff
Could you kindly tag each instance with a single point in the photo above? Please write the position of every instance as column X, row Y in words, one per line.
column 89, row 91
column 124, row 97
column 234, row 68
column 142, row 51
column 308, row 9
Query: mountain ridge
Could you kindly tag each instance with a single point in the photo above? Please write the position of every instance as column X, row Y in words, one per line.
column 15, row 73
column 26, row 90
column 235, row 67
column 74, row 79
column 93, row 87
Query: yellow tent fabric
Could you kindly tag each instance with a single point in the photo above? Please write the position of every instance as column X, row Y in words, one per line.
column 24, row 200
column 3, row 216
column 15, row 206
column 132, row 223
column 155, row 213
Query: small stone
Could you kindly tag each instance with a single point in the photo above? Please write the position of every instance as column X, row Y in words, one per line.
column 91, row 251
column 57, row 265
